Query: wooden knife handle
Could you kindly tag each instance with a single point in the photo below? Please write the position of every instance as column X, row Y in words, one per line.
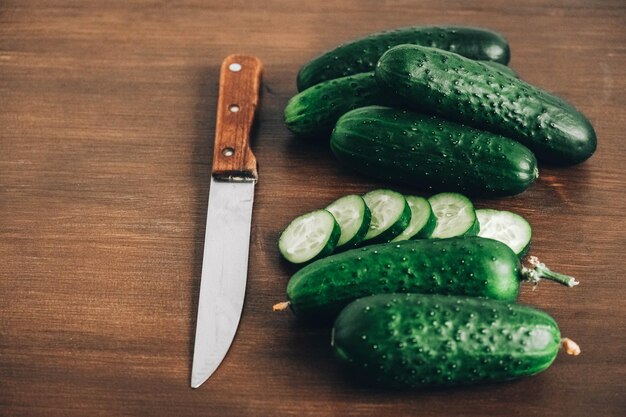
column 240, row 78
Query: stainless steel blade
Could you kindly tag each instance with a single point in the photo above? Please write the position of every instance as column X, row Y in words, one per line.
column 224, row 271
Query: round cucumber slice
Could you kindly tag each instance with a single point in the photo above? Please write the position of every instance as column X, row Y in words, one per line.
column 507, row 227
column 353, row 218
column 391, row 214
column 423, row 221
column 310, row 236
column 455, row 216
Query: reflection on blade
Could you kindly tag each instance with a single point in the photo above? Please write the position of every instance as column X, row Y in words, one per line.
column 224, row 270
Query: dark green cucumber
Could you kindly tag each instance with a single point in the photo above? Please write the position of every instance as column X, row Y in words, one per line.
column 362, row 54
column 432, row 153
column 316, row 110
column 412, row 341
column 471, row 266
column 473, row 93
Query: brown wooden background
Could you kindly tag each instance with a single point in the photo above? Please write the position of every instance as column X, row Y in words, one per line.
column 107, row 112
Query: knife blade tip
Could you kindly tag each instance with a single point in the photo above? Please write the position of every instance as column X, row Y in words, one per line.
column 197, row 381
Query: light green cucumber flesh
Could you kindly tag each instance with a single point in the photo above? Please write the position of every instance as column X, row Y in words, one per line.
column 310, row 236
column 455, row 216
column 507, row 227
column 421, row 218
column 391, row 214
column 353, row 217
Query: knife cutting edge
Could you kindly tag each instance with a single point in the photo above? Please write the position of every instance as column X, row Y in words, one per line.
column 229, row 215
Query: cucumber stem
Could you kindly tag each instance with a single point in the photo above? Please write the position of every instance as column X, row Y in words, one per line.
column 540, row 270
column 571, row 347
column 281, row 306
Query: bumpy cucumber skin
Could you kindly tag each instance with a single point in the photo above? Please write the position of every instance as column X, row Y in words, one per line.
column 471, row 266
column 429, row 152
column 362, row 54
column 471, row 92
column 411, row 341
column 316, row 110
column 502, row 68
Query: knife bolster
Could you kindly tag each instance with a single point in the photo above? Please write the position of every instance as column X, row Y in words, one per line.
column 234, row 177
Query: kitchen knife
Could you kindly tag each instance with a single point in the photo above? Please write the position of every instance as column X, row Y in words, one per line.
column 227, row 236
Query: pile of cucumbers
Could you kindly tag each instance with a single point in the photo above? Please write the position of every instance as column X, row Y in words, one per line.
column 414, row 292
column 436, row 108
column 422, row 291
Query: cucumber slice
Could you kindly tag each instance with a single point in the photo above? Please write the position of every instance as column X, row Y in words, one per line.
column 455, row 216
column 353, row 218
column 507, row 227
column 423, row 221
column 391, row 214
column 310, row 236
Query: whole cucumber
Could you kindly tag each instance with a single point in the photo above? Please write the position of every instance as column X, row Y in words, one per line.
column 413, row 341
column 471, row 266
column 432, row 153
column 315, row 110
column 362, row 54
column 471, row 92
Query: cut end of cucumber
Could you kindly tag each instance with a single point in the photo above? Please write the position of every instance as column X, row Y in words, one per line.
column 570, row 347
column 455, row 215
column 391, row 214
column 507, row 227
column 309, row 236
column 282, row 306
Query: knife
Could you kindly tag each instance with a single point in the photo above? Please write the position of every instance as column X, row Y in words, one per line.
column 227, row 236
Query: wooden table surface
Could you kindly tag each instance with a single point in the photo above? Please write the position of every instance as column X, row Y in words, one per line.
column 107, row 113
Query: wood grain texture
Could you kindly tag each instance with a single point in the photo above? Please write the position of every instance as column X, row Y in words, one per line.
column 107, row 115
column 240, row 79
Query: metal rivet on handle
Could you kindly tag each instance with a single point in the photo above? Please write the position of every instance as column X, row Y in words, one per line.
column 234, row 67
column 228, row 151
column 234, row 108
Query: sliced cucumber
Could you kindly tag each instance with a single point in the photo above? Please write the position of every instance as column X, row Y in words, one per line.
column 353, row 218
column 310, row 236
column 455, row 216
column 423, row 221
column 507, row 227
column 391, row 214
